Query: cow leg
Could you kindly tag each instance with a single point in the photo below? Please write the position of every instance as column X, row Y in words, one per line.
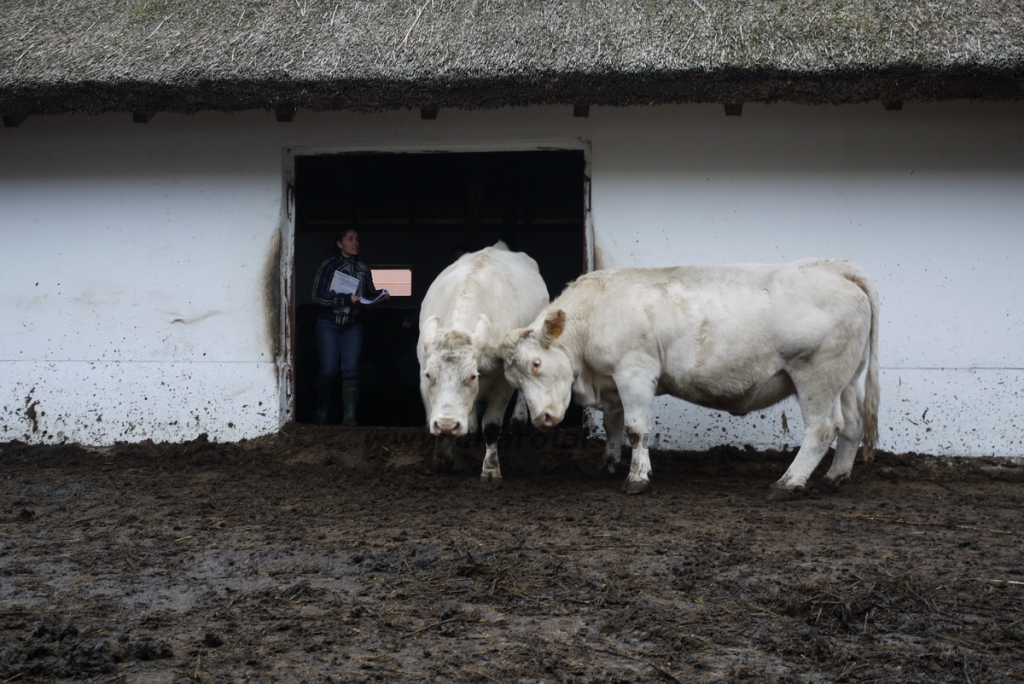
column 849, row 438
column 636, row 383
column 637, row 431
column 613, row 422
column 497, row 402
column 823, row 420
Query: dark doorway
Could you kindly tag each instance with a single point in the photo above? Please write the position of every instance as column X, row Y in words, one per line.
column 412, row 210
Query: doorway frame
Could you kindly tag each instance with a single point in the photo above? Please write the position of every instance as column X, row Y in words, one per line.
column 286, row 347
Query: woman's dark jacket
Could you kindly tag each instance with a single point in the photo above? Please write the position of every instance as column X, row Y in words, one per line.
column 337, row 307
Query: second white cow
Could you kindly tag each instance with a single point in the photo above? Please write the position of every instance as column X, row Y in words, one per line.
column 736, row 338
column 466, row 313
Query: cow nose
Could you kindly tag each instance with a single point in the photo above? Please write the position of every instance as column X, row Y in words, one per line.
column 545, row 420
column 447, row 427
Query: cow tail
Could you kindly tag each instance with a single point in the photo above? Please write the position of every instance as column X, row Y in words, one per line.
column 869, row 402
column 869, row 409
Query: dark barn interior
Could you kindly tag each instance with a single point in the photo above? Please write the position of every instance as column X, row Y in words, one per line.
column 412, row 210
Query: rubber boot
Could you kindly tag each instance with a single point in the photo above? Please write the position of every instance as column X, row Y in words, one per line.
column 350, row 395
column 323, row 401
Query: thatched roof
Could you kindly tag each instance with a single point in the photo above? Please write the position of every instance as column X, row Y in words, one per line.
column 368, row 55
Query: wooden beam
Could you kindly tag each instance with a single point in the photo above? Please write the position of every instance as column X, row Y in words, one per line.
column 143, row 117
column 582, row 111
column 892, row 105
column 428, row 113
column 286, row 112
column 733, row 108
column 14, row 120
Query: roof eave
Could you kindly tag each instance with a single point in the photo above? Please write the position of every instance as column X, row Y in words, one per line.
column 733, row 85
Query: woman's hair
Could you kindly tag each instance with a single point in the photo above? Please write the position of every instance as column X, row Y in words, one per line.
column 343, row 232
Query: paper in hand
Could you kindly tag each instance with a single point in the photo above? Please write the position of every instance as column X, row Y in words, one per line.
column 343, row 283
column 382, row 295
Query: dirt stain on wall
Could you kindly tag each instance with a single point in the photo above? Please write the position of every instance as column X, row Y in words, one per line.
column 30, row 412
column 272, row 294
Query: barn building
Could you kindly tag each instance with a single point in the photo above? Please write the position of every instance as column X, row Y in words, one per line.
column 171, row 173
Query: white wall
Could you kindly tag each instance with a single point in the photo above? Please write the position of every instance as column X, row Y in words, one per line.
column 134, row 260
column 929, row 200
column 133, row 268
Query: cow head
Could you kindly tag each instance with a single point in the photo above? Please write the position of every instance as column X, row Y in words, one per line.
column 540, row 369
column 450, row 376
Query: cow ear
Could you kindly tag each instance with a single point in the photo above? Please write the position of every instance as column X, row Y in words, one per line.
column 429, row 331
column 554, row 324
column 483, row 324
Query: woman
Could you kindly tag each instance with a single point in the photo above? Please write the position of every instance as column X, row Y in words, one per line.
column 339, row 331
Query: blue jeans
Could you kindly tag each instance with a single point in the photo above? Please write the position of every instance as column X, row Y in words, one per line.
column 339, row 348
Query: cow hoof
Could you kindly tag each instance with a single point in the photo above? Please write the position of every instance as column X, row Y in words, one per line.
column 493, row 481
column 785, row 493
column 833, row 485
column 635, row 486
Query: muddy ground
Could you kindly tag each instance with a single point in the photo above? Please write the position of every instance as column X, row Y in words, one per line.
column 325, row 554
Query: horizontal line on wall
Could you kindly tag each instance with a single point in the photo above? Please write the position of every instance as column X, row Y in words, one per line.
column 138, row 361
column 272, row 361
column 951, row 368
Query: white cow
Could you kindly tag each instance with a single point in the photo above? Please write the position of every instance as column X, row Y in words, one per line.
column 466, row 313
column 736, row 338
